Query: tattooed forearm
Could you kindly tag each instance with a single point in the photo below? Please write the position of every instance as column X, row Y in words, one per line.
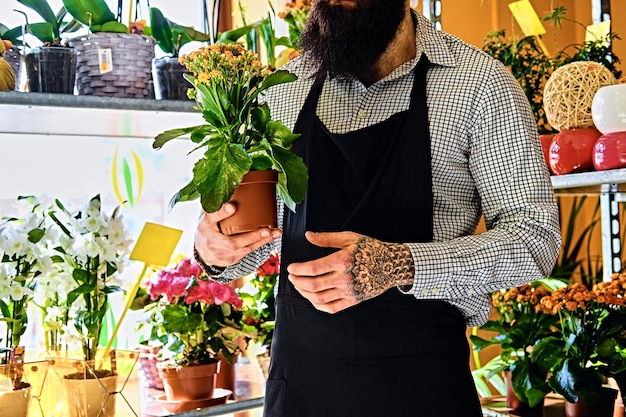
column 378, row 266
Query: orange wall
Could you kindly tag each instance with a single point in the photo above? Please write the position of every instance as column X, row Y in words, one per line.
column 471, row 20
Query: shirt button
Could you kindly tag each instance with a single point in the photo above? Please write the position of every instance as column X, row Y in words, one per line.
column 425, row 291
column 434, row 291
column 471, row 292
column 361, row 114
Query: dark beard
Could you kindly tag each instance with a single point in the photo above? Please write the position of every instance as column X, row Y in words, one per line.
column 345, row 41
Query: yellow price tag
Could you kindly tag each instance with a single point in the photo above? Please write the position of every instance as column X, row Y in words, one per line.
column 527, row 18
column 155, row 244
column 598, row 31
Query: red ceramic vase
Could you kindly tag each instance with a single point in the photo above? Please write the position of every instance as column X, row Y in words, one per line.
column 609, row 151
column 572, row 150
column 546, row 142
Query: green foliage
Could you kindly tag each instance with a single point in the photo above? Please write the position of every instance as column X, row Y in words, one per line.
column 171, row 36
column 239, row 135
column 94, row 14
column 532, row 67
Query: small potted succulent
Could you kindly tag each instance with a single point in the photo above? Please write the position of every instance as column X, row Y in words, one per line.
column 239, row 139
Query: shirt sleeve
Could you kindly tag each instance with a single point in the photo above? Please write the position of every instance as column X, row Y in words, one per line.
column 523, row 237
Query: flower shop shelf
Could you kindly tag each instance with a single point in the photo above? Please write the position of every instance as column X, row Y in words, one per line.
column 610, row 187
column 91, row 116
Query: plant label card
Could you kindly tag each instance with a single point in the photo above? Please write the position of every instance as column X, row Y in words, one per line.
column 527, row 18
column 598, row 32
column 105, row 60
column 155, row 244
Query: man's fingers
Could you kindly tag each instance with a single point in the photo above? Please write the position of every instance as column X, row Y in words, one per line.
column 332, row 239
column 225, row 211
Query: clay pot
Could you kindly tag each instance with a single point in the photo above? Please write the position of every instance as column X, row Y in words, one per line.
column 184, row 383
column 255, row 199
column 226, row 377
column 515, row 404
column 572, row 150
column 609, row 151
column 604, row 407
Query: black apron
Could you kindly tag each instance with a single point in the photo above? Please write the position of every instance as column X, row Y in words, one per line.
column 393, row 355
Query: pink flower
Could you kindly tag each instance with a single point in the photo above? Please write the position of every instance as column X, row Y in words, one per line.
column 201, row 292
column 188, row 268
column 224, row 294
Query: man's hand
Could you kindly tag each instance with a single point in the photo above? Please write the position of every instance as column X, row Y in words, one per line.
column 218, row 249
column 361, row 269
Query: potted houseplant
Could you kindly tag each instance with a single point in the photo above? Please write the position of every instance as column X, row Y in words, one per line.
column 50, row 67
column 114, row 59
column 22, row 250
column 590, row 345
column 518, row 327
column 196, row 322
column 167, row 71
column 259, row 313
column 90, row 253
column 239, row 138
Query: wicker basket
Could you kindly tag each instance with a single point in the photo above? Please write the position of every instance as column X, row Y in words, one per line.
column 132, row 56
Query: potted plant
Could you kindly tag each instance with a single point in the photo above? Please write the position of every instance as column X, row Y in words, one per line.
column 196, row 322
column 114, row 59
column 89, row 255
column 518, row 327
column 22, row 250
column 239, row 138
column 167, row 71
column 590, row 345
column 259, row 315
column 51, row 66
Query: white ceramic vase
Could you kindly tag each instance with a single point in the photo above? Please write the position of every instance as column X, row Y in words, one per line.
column 608, row 109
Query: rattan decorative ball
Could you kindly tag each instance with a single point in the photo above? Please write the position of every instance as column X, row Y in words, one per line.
column 569, row 92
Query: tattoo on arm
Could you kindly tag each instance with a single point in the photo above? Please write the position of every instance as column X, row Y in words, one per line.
column 378, row 266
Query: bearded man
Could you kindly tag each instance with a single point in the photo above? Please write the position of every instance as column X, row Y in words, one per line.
column 409, row 136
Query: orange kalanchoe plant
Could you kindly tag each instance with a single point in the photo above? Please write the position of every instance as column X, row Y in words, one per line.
column 590, row 345
column 239, row 135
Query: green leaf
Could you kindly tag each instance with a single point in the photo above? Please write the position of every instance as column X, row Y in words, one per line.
column 219, row 172
column 36, row 235
column 293, row 178
column 111, row 27
column 42, row 31
column 162, row 31
column 89, row 12
column 279, row 134
column 260, row 162
column 278, row 77
column 42, row 8
column 164, row 137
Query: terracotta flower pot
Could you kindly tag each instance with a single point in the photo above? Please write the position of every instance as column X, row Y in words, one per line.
column 255, row 199
column 604, row 407
column 183, row 383
column 515, row 404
